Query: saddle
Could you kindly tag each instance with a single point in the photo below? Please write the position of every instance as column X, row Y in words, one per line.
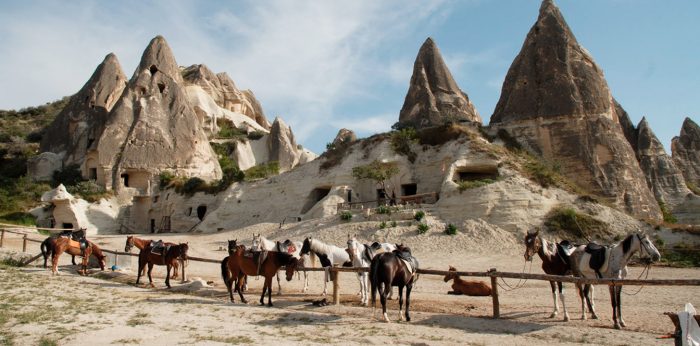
column 158, row 247
column 291, row 248
column 258, row 258
column 81, row 244
column 598, row 257
column 408, row 259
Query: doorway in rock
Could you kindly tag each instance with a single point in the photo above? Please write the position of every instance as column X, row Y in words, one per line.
column 201, row 211
column 315, row 196
column 125, row 179
column 153, row 225
column 67, row 225
column 409, row 189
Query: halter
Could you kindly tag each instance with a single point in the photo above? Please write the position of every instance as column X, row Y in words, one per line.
column 643, row 247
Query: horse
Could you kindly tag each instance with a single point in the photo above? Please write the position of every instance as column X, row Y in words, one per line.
column 555, row 261
column 466, row 287
column 48, row 243
column 294, row 248
column 62, row 244
column 239, row 265
column 261, row 243
column 389, row 269
column 169, row 259
column 596, row 261
column 361, row 256
column 225, row 275
column 141, row 244
column 329, row 255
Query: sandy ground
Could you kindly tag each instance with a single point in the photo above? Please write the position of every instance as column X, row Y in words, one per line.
column 106, row 307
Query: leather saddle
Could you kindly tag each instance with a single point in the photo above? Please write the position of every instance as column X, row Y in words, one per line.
column 598, row 257
column 410, row 261
column 158, row 247
column 258, row 258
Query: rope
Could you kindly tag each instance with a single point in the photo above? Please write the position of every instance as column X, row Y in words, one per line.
column 646, row 270
column 521, row 282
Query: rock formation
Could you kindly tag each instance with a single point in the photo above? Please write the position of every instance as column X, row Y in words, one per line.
column 153, row 128
column 283, row 147
column 224, row 92
column 76, row 128
column 686, row 152
column 663, row 177
column 556, row 102
column 344, row 137
column 433, row 96
column 626, row 123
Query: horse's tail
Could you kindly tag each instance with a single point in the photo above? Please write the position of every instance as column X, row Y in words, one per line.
column 45, row 250
column 224, row 271
column 373, row 282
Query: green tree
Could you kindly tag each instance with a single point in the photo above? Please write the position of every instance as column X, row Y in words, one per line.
column 379, row 172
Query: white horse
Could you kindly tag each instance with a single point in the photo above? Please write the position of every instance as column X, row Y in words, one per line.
column 294, row 248
column 329, row 255
column 361, row 256
column 612, row 264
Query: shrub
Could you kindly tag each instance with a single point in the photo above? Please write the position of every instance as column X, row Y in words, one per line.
column 228, row 130
column 401, row 141
column 393, row 223
column 193, row 185
column 69, row 175
column 255, row 135
column 668, row 216
column 89, row 191
column 382, row 225
column 19, row 218
column 382, row 209
column 419, row 215
column 165, row 178
column 346, row 215
column 262, row 171
column 472, row 184
column 423, row 228
column 543, row 173
column 570, row 222
column 450, row 229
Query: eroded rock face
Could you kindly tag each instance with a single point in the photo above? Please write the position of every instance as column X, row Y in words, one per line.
column 225, row 93
column 433, row 96
column 76, row 128
column 283, row 147
column 663, row 177
column 344, row 137
column 153, row 127
column 626, row 123
column 686, row 151
column 556, row 102
column 42, row 166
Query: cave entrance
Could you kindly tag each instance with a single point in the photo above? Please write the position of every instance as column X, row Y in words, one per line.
column 409, row 189
column 201, row 211
column 315, row 196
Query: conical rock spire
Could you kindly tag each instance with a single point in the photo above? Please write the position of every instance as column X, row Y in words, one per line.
column 433, row 97
column 686, row 152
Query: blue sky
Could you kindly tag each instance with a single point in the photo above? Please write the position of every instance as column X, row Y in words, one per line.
column 323, row 65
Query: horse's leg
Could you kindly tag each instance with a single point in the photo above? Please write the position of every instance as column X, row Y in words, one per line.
column 264, row 290
column 563, row 303
column 306, row 282
column 229, row 284
column 72, row 260
column 619, row 306
column 150, row 279
column 613, row 302
column 269, row 291
column 363, row 286
column 382, row 299
column 176, row 265
column 325, row 282
column 167, row 275
column 54, row 262
column 400, row 303
column 409, row 287
column 591, row 302
column 581, row 295
column 141, row 270
column 242, row 278
column 554, row 314
column 279, row 285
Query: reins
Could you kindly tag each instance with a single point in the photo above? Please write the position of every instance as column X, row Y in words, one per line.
column 521, row 282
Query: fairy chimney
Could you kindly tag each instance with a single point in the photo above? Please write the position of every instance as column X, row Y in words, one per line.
column 686, row 152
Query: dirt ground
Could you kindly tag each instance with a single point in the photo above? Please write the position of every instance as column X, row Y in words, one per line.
column 107, row 308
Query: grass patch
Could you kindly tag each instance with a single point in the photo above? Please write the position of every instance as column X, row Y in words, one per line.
column 46, row 341
column 681, row 255
column 693, row 188
column 89, row 191
column 419, row 215
column 382, row 225
column 346, row 215
column 423, row 228
column 439, row 135
column 473, row 184
column 402, row 140
column 10, row 262
column 335, row 153
column 127, row 341
column 262, row 171
column 231, row 340
column 228, row 130
column 18, row 218
column 382, row 209
column 569, row 222
column 451, row 229
column 138, row 319
column 668, row 216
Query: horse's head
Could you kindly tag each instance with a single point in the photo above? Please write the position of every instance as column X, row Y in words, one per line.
column 647, row 248
column 306, row 247
column 290, row 268
column 99, row 255
column 403, row 248
column 183, row 250
column 353, row 246
column 532, row 244
column 129, row 243
column 257, row 242
column 449, row 276
column 232, row 246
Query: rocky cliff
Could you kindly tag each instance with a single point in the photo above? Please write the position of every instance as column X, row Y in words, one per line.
column 556, row 102
column 433, row 96
column 686, row 152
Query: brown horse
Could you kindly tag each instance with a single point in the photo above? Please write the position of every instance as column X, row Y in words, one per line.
column 466, row 287
column 397, row 268
column 240, row 265
column 141, row 244
column 169, row 259
column 72, row 247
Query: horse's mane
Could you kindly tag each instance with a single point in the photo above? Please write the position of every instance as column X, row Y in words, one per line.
column 284, row 257
column 627, row 243
column 96, row 250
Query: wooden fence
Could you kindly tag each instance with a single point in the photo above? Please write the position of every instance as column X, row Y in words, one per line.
column 493, row 274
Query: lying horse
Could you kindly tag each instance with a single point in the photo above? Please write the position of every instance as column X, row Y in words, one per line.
column 466, row 287
column 169, row 259
column 239, row 264
column 555, row 261
column 596, row 261
column 142, row 244
column 62, row 244
column 397, row 268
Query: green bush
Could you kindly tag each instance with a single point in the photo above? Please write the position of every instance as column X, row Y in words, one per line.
column 423, row 228
column 255, row 135
column 262, row 171
column 401, row 141
column 382, row 225
column 668, row 216
column 193, row 185
column 382, row 209
column 18, row 218
column 69, row 175
column 228, row 130
column 346, row 215
column 89, row 191
column 419, row 215
column 165, row 178
column 393, row 223
column 450, row 229
column 568, row 222
column 545, row 174
column 472, row 184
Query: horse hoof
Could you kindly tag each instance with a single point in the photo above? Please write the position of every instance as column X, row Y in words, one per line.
column 408, row 319
column 623, row 324
column 566, row 318
column 617, row 326
column 269, row 305
column 553, row 315
column 594, row 317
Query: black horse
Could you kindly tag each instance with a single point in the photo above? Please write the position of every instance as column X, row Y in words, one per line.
column 47, row 249
column 397, row 268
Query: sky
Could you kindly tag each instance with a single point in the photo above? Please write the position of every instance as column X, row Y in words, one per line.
column 326, row 65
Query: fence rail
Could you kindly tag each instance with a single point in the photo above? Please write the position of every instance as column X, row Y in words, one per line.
column 493, row 274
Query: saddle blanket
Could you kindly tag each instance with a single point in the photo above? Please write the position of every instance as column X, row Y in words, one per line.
column 408, row 264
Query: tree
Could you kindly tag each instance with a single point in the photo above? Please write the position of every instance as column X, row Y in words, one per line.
column 380, row 172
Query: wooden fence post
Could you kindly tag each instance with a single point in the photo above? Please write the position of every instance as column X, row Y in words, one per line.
column 336, row 287
column 24, row 243
column 494, row 294
column 2, row 237
column 184, row 276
